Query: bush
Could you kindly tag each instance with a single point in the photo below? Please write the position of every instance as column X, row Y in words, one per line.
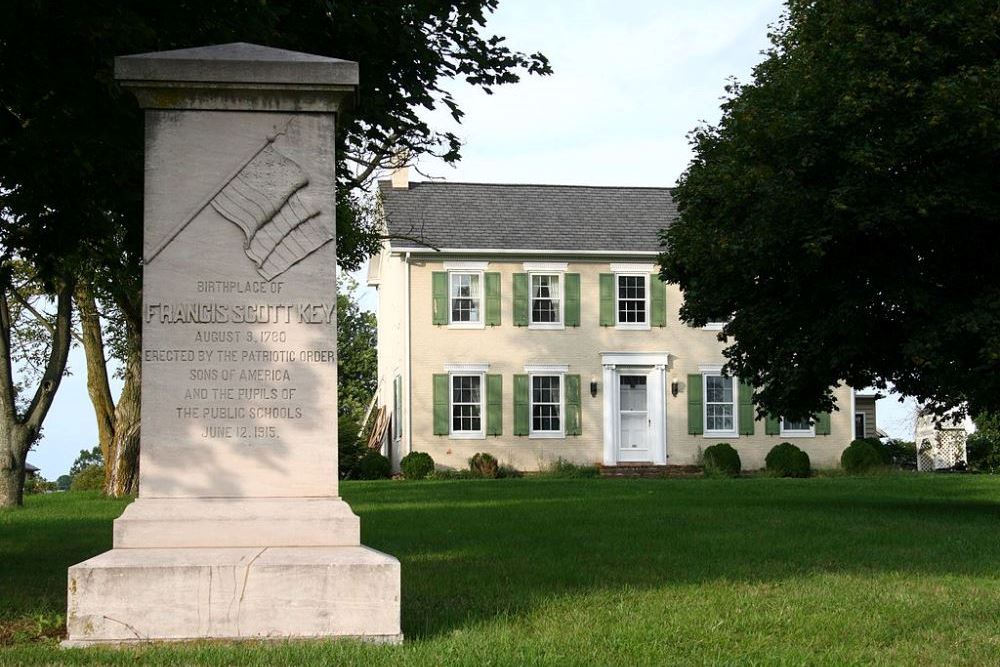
column 450, row 473
column 862, row 456
column 508, row 472
column 721, row 460
column 90, row 478
column 372, row 465
column 983, row 452
column 37, row 484
column 564, row 469
column 350, row 449
column 901, row 454
column 484, row 465
column 416, row 465
column 787, row 460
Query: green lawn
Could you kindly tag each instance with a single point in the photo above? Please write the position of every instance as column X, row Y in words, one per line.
column 899, row 569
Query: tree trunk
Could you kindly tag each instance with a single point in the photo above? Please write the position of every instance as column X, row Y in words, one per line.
column 11, row 469
column 122, row 463
column 98, row 385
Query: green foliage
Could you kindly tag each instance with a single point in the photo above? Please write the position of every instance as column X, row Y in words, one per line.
column 372, row 465
column 483, row 464
column 982, row 449
column 416, row 465
column 856, row 177
column 63, row 482
column 450, row 474
column 787, row 460
column 506, row 471
column 90, row 478
column 350, row 447
column 87, row 458
column 862, row 456
column 37, row 484
column 901, row 454
column 357, row 363
column 721, row 460
column 563, row 469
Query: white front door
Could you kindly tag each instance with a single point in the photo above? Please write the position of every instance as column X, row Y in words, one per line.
column 633, row 417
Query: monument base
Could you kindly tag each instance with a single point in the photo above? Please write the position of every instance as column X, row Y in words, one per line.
column 183, row 594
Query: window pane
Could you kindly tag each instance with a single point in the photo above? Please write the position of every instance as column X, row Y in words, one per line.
column 465, row 297
column 545, row 403
column 797, row 424
column 544, row 298
column 465, row 408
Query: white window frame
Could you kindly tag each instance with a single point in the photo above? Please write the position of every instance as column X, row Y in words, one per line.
column 864, row 424
column 466, row 435
column 713, row 326
column 559, row 372
column 481, row 323
column 397, row 408
column 796, row 433
column 719, row 433
column 640, row 326
column 561, row 275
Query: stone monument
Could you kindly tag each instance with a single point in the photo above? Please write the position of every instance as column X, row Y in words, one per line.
column 238, row 531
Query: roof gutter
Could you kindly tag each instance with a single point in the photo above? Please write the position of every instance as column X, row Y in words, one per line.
column 525, row 251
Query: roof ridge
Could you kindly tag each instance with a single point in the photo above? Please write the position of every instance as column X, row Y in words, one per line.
column 541, row 185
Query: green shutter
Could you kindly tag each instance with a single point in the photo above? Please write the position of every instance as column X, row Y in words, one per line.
column 572, row 296
column 520, row 299
column 746, row 412
column 441, row 402
column 492, row 299
column 574, row 425
column 494, row 405
column 439, row 290
column 658, row 301
column 695, row 414
column 521, row 405
column 772, row 425
column 607, row 294
column 823, row 423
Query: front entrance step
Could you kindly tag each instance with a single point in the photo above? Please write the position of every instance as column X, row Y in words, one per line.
column 650, row 470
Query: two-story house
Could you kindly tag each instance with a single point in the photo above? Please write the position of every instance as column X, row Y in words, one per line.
column 528, row 321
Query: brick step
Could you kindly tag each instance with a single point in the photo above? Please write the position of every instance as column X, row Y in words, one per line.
column 649, row 470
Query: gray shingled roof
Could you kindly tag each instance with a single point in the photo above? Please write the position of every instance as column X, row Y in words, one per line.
column 527, row 217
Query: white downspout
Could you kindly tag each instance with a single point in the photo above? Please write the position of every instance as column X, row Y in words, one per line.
column 406, row 360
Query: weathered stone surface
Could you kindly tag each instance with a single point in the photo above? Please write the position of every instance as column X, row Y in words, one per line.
column 238, row 531
column 133, row 595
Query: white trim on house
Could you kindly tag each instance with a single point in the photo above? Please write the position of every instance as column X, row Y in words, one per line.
column 654, row 364
column 543, row 369
column 645, row 325
column 798, row 433
column 713, row 326
column 481, row 299
column 546, row 267
column 438, row 252
column 407, row 368
column 631, row 267
column 561, row 297
column 481, row 374
column 456, row 265
column 546, row 372
column 467, row 368
column 710, row 368
column 713, row 370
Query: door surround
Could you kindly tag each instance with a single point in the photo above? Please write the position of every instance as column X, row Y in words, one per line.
column 654, row 364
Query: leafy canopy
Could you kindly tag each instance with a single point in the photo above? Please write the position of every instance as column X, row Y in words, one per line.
column 845, row 209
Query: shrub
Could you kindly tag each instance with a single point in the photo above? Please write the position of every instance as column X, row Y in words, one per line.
column 450, row 473
column 862, row 456
column 721, row 460
column 787, row 460
column 416, row 465
column 508, row 472
column 564, row 469
column 89, row 478
column 900, row 453
column 350, row 449
column 484, row 465
column 372, row 465
column 982, row 451
column 37, row 484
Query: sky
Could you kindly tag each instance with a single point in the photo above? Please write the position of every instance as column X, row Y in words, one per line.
column 632, row 79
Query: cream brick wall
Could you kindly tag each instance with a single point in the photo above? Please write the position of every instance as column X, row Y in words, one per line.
column 391, row 337
column 508, row 348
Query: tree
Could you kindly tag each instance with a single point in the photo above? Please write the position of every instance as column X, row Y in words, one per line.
column 71, row 140
column 357, row 362
column 63, row 482
column 844, row 210
column 87, row 458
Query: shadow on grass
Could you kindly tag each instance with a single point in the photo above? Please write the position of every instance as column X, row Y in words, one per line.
column 478, row 551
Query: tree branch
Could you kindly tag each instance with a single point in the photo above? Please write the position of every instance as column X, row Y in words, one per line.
column 46, row 390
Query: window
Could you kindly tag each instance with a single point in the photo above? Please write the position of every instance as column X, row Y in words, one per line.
column 467, row 406
column 465, row 292
column 632, row 301
column 797, row 428
column 546, row 405
column 859, row 425
column 546, row 299
column 720, row 406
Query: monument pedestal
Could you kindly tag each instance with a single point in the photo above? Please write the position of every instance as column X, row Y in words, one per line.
column 239, row 531
column 180, row 594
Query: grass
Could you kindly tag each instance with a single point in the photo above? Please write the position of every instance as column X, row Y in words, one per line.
column 893, row 569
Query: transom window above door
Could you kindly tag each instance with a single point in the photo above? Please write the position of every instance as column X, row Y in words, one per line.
column 546, row 299
column 632, row 301
column 465, row 290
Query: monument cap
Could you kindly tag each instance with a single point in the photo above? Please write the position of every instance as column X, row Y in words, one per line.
column 223, row 76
